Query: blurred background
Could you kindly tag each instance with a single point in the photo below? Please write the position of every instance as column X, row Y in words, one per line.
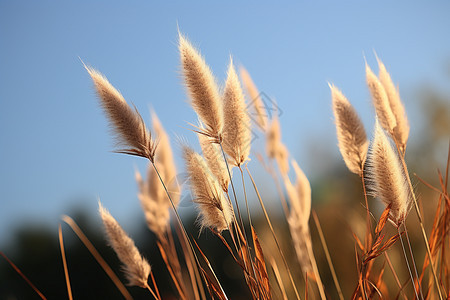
column 56, row 149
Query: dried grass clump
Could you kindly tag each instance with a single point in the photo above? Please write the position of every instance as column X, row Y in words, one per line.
column 135, row 266
column 236, row 131
column 386, row 177
column 215, row 210
column 127, row 123
column 202, row 88
column 353, row 143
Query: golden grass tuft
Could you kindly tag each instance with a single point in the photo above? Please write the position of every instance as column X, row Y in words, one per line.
column 165, row 161
column 386, row 178
column 254, row 97
column 352, row 139
column 154, row 202
column 130, row 129
column 202, row 88
column 236, row 130
column 275, row 148
column 380, row 101
column 401, row 131
column 215, row 210
column 213, row 156
column 135, row 266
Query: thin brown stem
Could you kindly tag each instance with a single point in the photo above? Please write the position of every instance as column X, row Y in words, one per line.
column 97, row 256
column 407, row 262
column 183, row 229
column 395, row 275
column 66, row 271
column 273, row 233
column 152, row 292
column 155, row 285
column 413, row 261
column 23, row 276
column 327, row 254
column 419, row 216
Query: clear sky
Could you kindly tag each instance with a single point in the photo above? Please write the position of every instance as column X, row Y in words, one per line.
column 55, row 149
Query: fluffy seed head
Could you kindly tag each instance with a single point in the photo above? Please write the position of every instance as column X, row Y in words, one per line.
column 273, row 138
column 351, row 135
column 214, row 159
column 215, row 210
column 236, row 130
column 380, row 101
column 257, row 103
column 401, row 131
column 165, row 161
column 129, row 128
column 275, row 148
column 387, row 180
column 135, row 266
column 154, row 201
column 202, row 88
column 303, row 188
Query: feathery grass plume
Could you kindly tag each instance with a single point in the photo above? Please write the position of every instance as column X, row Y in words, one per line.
column 380, row 101
column 275, row 148
column 236, row 130
column 303, row 188
column 255, row 98
column 386, row 177
column 203, row 91
column 298, row 224
column 273, row 138
column 165, row 161
column 130, row 129
column 214, row 159
column 401, row 131
column 135, row 266
column 154, row 202
column 351, row 135
column 215, row 210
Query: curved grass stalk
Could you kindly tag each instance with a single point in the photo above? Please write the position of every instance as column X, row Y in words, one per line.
column 69, row 221
column 407, row 263
column 327, row 254
column 419, row 216
column 63, row 254
column 23, row 276
column 274, row 235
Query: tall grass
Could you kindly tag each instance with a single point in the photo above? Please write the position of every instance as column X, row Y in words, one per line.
column 224, row 134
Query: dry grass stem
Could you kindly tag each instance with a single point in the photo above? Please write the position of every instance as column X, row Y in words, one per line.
column 135, row 266
column 202, row 88
column 380, row 101
column 236, row 130
column 215, row 210
column 255, row 99
column 352, row 139
column 129, row 128
column 387, row 179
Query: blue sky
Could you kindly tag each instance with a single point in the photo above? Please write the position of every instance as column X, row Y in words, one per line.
column 55, row 149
